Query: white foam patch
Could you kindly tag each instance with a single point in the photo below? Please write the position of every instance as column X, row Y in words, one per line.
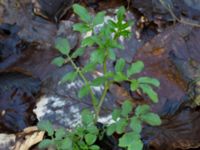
column 106, row 120
column 59, row 112
column 58, row 102
column 41, row 108
column 97, row 89
column 79, row 84
column 73, row 117
column 75, row 84
column 6, row 140
column 75, row 112
column 74, row 109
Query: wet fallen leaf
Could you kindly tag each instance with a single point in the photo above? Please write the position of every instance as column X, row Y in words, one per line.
column 29, row 137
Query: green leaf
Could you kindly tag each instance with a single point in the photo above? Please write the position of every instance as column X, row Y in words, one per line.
column 62, row 45
column 128, row 138
column 60, row 133
column 99, row 18
column 119, row 76
column 115, row 44
column 89, row 67
column 69, row 77
column 136, row 124
column 97, row 56
column 142, row 109
column 45, row 143
column 98, row 81
column 136, row 67
column 84, row 91
column 94, row 147
column 150, row 92
column 80, row 131
column 90, row 138
column 93, row 129
column 81, row 27
column 134, row 85
column 116, row 114
column 46, row 126
column 87, row 117
column 125, row 33
column 105, row 34
column 112, row 24
column 120, row 65
column 151, row 118
column 111, row 54
column 126, row 108
column 97, row 39
column 66, row 144
column 82, row 145
column 76, row 147
column 136, row 145
column 148, row 80
column 88, row 41
column 121, row 13
column 78, row 52
column 82, row 13
column 111, row 129
column 125, row 25
column 109, row 74
column 58, row 61
column 121, row 125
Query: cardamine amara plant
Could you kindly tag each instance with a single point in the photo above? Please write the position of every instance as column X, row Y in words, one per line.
column 127, row 120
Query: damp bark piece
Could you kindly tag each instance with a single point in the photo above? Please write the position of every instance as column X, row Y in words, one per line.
column 175, row 52
column 17, row 100
column 11, row 45
column 172, row 57
column 53, row 10
column 180, row 131
column 156, row 9
column 32, row 28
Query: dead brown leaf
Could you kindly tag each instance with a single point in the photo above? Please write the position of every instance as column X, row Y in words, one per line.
column 29, row 137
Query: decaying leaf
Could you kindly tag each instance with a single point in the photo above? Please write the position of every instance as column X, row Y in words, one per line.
column 29, row 137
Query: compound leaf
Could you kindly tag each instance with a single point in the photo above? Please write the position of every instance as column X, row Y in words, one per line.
column 58, row 61
column 62, row 45
column 82, row 13
column 136, row 67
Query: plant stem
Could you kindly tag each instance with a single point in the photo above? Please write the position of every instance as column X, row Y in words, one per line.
column 105, row 64
column 106, row 87
column 94, row 102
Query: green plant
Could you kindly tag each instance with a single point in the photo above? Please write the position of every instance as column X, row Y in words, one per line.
column 124, row 121
column 83, row 136
column 105, row 41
